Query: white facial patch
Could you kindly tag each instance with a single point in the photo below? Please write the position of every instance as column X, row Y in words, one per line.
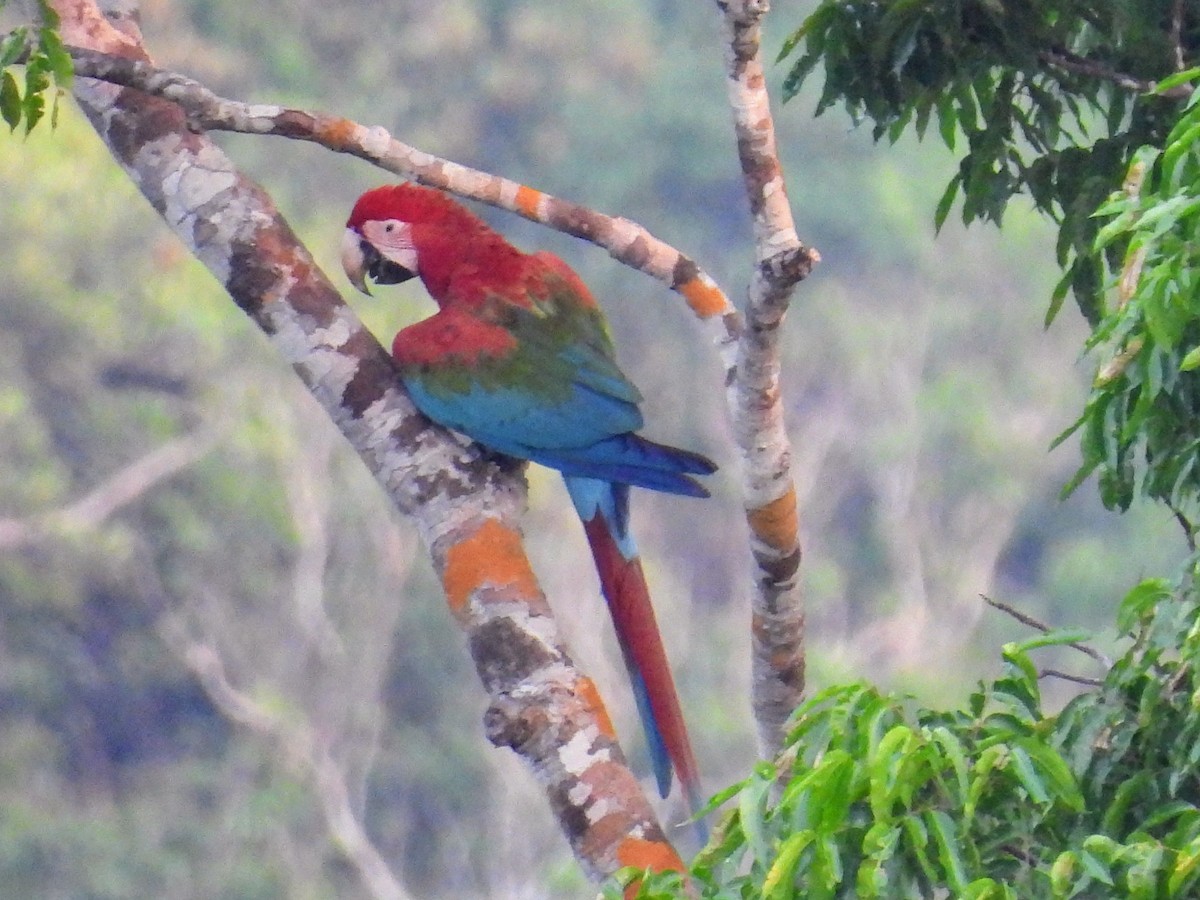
column 393, row 239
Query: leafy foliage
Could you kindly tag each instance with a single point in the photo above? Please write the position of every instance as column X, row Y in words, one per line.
column 1135, row 427
column 875, row 798
column 1048, row 98
column 47, row 64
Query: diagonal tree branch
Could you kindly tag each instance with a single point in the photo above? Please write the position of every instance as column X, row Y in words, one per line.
column 466, row 505
column 626, row 241
column 750, row 355
column 777, row 614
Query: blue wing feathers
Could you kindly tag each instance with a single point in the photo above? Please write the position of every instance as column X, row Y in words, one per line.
column 633, row 460
column 590, row 437
column 560, row 400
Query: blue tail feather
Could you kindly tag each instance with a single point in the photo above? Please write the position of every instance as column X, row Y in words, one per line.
column 660, row 759
column 631, row 460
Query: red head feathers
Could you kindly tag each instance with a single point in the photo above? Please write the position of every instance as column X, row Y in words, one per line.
column 397, row 231
column 412, row 203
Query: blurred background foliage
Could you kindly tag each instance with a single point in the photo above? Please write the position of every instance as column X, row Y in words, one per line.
column 922, row 389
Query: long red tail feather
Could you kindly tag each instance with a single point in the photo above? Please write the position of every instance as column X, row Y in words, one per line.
column 624, row 588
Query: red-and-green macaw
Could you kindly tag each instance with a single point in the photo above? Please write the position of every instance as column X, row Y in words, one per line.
column 518, row 357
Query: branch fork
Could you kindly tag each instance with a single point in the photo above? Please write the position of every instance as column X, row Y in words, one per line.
column 467, row 507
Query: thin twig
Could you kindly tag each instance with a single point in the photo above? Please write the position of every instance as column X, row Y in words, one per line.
column 1067, row 676
column 1189, row 530
column 1182, row 670
column 626, row 241
column 1026, row 619
column 1079, row 65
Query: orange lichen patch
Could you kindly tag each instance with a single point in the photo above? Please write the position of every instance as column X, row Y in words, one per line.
column 493, row 556
column 336, row 131
column 591, row 696
column 657, row 856
column 778, row 523
column 82, row 24
column 527, row 201
column 704, row 297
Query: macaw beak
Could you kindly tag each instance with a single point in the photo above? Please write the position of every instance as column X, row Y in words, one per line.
column 354, row 260
column 360, row 259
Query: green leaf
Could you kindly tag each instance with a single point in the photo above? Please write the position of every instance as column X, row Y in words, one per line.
column 1127, row 791
column 955, row 753
column 947, row 121
column 1142, row 875
column 1139, row 603
column 1062, row 872
column 831, row 792
column 1056, row 637
column 48, row 13
column 1029, row 776
column 719, row 799
column 887, row 768
column 946, row 202
column 57, row 57
column 918, row 842
column 13, row 45
column 1056, row 299
column 1185, row 868
column 987, row 889
column 871, row 879
column 1056, row 773
column 1104, row 848
column 819, row 19
column 1178, row 809
column 994, row 757
column 1020, row 681
column 1095, row 867
column 1177, row 146
column 1121, row 225
column 752, row 805
column 879, row 846
column 10, row 100
column 828, row 862
column 1177, row 79
column 33, row 104
column 945, row 837
column 778, row 883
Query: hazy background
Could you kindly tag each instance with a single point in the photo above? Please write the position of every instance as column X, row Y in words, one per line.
column 922, row 394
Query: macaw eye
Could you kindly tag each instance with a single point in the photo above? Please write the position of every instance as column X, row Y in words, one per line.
column 389, row 227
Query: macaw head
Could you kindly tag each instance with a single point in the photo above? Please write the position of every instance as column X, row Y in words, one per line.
column 401, row 230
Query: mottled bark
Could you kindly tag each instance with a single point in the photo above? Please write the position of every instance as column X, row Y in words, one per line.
column 749, row 349
column 466, row 506
column 777, row 607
